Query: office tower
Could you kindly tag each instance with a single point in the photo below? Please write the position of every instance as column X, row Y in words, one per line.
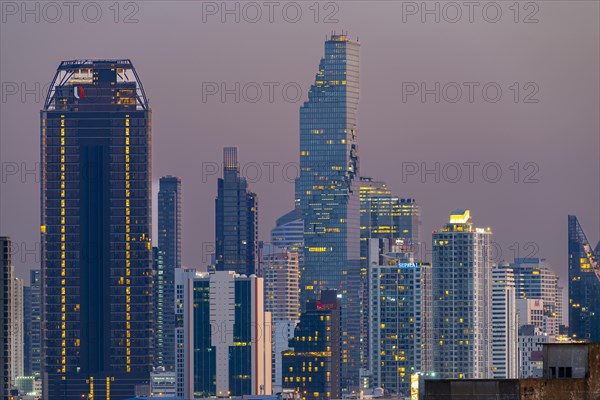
column 384, row 216
column 17, row 357
column 6, row 283
column 531, row 312
column 35, row 318
column 584, row 285
column 227, row 335
column 397, row 298
column 505, row 329
column 535, row 280
column 462, row 289
column 312, row 368
column 96, row 227
column 236, row 219
column 327, row 192
column 169, row 243
column 280, row 270
column 289, row 231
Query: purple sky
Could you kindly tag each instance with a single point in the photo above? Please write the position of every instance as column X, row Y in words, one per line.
column 174, row 52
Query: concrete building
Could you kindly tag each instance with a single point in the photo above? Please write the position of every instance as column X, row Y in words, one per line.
column 461, row 290
column 279, row 266
column 535, row 280
column 280, row 270
column 531, row 341
column 17, row 357
column 226, row 335
column 505, row 356
column 6, row 285
column 570, row 371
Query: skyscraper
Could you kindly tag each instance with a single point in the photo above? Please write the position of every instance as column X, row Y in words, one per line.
column 5, row 320
column 535, row 280
column 584, row 285
column 236, row 219
column 327, row 191
column 382, row 216
column 505, row 329
column 96, row 226
column 312, row 368
column 462, row 290
column 17, row 357
column 35, row 317
column 398, row 326
column 227, row 335
column 169, row 243
column 280, row 269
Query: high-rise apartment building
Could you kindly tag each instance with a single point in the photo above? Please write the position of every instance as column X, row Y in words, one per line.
column 236, row 219
column 6, row 284
column 397, row 339
column 535, row 280
column 505, row 326
column 96, row 227
column 227, row 335
column 169, row 244
column 279, row 266
column 312, row 368
column 584, row 285
column 462, row 290
column 17, row 357
column 327, row 191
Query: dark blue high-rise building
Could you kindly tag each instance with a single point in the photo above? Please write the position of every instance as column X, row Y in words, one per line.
column 96, row 226
column 327, row 192
column 584, row 285
column 169, row 244
column 236, row 219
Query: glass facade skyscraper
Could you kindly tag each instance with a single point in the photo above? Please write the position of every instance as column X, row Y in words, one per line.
column 584, row 285
column 327, row 191
column 236, row 219
column 35, row 318
column 169, row 244
column 96, row 226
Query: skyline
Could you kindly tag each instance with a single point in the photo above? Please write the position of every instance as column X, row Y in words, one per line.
column 501, row 206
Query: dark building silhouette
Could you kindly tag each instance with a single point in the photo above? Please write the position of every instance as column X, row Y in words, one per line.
column 584, row 285
column 169, row 243
column 313, row 367
column 96, row 226
column 236, row 217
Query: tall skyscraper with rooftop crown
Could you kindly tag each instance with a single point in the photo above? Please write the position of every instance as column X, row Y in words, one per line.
column 96, row 226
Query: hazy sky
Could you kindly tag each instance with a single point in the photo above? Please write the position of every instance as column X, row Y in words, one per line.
column 178, row 50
